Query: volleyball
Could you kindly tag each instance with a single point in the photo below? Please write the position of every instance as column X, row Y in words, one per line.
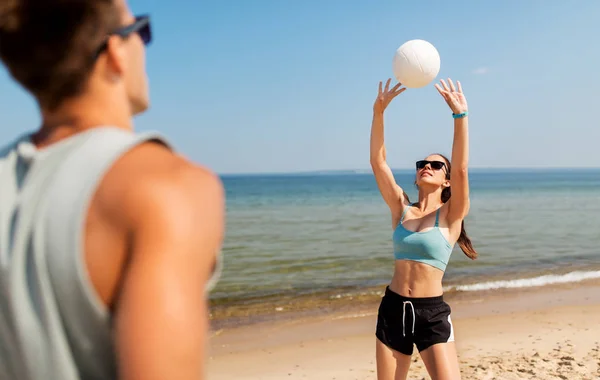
column 416, row 63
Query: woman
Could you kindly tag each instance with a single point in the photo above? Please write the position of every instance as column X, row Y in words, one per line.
column 412, row 311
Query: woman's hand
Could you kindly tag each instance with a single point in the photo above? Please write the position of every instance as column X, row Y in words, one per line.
column 455, row 98
column 384, row 97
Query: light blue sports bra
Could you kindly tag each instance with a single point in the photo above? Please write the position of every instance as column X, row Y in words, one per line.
column 429, row 247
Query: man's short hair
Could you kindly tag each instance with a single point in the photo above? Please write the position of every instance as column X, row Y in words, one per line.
column 50, row 46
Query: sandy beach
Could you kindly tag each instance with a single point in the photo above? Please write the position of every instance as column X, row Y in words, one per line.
column 550, row 332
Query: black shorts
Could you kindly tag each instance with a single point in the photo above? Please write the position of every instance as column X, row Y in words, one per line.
column 403, row 322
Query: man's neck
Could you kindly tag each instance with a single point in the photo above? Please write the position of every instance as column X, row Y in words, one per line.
column 80, row 115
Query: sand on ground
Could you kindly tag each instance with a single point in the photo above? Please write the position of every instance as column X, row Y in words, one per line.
column 544, row 333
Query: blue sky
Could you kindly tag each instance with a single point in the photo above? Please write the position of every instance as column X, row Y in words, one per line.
column 276, row 86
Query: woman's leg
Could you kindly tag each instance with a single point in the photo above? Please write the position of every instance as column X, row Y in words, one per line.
column 441, row 361
column 391, row 364
column 435, row 341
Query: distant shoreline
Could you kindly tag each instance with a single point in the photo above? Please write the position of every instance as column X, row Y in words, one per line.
column 409, row 170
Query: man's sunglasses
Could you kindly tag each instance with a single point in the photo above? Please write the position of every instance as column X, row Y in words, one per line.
column 435, row 165
column 141, row 26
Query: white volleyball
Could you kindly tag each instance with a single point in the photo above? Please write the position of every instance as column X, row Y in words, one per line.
column 416, row 63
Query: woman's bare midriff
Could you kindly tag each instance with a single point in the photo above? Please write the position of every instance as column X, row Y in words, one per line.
column 414, row 279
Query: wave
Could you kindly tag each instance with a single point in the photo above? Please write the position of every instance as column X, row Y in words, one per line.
column 570, row 277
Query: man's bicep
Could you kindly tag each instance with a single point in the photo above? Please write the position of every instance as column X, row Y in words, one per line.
column 161, row 316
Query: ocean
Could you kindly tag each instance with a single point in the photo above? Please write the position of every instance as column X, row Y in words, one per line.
column 302, row 241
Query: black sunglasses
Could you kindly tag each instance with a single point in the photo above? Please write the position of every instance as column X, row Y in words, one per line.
column 435, row 165
column 141, row 26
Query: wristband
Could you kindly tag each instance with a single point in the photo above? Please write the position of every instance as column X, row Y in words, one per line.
column 460, row 115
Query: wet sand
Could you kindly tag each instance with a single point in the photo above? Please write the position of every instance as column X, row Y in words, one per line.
column 538, row 333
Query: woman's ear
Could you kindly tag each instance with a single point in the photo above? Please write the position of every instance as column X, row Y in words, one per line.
column 446, row 183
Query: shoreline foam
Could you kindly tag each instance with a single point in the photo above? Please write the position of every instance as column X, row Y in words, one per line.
column 358, row 300
column 543, row 280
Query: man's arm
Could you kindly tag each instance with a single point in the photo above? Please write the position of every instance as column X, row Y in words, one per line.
column 161, row 317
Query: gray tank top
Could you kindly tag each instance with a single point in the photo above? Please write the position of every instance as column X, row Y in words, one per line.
column 52, row 323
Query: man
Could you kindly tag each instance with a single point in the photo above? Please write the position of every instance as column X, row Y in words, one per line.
column 108, row 240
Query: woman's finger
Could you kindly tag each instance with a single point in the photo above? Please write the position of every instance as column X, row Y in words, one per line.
column 437, row 86
column 459, row 86
column 396, row 93
column 451, row 84
column 396, row 87
column 445, row 85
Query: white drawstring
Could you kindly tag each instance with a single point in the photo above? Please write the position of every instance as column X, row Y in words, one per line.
column 404, row 316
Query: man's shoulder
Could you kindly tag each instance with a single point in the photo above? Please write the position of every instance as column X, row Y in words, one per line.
column 152, row 176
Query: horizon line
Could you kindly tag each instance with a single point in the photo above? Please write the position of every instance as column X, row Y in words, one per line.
column 365, row 171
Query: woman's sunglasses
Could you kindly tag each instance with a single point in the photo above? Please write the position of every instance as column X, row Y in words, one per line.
column 435, row 165
column 141, row 26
